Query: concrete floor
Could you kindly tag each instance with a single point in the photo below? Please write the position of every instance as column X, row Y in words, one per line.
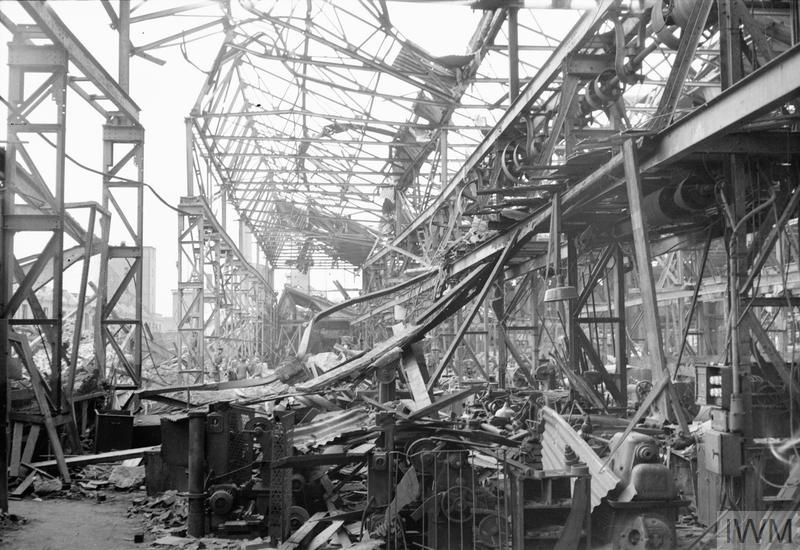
column 61, row 524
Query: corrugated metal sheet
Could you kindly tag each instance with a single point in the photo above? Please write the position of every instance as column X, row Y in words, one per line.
column 411, row 59
column 557, row 435
column 328, row 426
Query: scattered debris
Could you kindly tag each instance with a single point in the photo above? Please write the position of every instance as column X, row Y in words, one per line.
column 45, row 486
column 126, row 477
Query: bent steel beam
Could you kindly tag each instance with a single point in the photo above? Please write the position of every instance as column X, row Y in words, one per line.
column 580, row 33
column 762, row 91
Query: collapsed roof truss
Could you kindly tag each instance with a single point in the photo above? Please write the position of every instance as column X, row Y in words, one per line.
column 330, row 108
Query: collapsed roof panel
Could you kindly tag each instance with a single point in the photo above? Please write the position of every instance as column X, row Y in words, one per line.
column 330, row 107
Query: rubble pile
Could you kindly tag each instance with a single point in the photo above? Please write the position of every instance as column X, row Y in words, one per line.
column 163, row 515
column 352, row 449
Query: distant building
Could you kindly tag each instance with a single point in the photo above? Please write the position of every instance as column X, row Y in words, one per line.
column 149, row 279
column 116, row 272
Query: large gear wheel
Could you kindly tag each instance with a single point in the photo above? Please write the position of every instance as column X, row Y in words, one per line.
column 457, row 503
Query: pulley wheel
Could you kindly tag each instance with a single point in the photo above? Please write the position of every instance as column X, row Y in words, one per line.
column 457, row 503
column 297, row 517
column 258, row 423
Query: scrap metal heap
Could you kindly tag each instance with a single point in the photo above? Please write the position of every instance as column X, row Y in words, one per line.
column 491, row 469
column 583, row 336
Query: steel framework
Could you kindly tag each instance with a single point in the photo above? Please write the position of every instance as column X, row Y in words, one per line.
column 225, row 302
column 43, row 233
column 334, row 137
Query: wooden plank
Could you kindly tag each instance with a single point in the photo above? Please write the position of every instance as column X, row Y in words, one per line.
column 16, row 450
column 22, row 487
column 342, row 539
column 112, row 456
column 38, row 470
column 30, row 443
column 325, row 535
column 297, row 537
column 415, row 378
column 84, row 415
column 37, row 385
column 444, row 402
column 33, row 418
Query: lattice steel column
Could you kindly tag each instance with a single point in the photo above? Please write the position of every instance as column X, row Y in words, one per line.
column 280, row 482
column 224, row 300
column 37, row 75
column 118, row 326
column 191, row 299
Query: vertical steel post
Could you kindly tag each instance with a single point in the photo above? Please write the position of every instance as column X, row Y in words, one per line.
column 57, row 309
column 533, row 301
column 443, row 157
column 25, row 57
column 621, row 341
column 189, row 158
column 513, row 55
column 119, row 131
column 499, row 307
column 78, row 326
column 195, row 519
column 738, row 179
column 572, row 315
column 655, row 343
column 7, row 279
column 124, row 31
column 191, row 243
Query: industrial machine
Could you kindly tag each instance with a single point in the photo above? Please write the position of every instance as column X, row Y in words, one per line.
column 647, row 521
column 242, row 493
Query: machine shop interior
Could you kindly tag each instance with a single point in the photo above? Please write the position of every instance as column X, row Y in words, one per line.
column 399, row 274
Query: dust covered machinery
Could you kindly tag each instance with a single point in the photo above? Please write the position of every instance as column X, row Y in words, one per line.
column 438, row 494
column 648, row 520
column 464, row 489
column 244, row 495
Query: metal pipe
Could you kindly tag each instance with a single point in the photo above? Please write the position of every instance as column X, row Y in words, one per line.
column 195, row 520
column 189, row 158
column 513, row 55
column 124, row 30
